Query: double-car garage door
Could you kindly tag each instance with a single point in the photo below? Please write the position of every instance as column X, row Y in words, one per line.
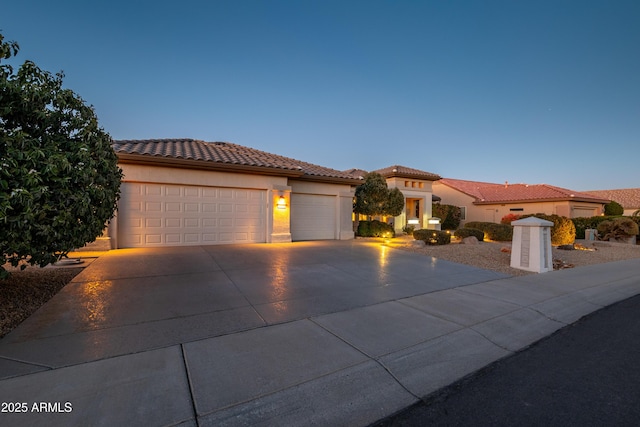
column 155, row 214
column 175, row 215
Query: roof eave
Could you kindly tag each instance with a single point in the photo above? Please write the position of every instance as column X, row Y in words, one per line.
column 145, row 159
column 412, row 176
column 330, row 179
column 563, row 199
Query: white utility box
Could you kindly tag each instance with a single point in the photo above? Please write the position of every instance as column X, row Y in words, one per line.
column 531, row 245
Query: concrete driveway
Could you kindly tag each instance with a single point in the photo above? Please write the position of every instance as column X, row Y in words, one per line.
column 323, row 332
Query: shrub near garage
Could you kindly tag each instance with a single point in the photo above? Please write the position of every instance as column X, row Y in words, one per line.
column 432, row 237
column 375, row 228
column 467, row 232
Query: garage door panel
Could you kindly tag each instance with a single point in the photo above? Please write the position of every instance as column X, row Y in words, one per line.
column 153, row 190
column 313, row 217
column 158, row 214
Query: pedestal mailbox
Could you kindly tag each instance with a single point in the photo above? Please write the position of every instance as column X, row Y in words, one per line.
column 531, row 245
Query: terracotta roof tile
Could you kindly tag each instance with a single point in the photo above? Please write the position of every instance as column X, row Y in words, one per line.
column 223, row 153
column 629, row 198
column 405, row 172
column 485, row 192
column 357, row 173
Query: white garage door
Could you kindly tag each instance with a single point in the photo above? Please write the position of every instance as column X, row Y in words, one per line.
column 584, row 212
column 176, row 215
column 313, row 217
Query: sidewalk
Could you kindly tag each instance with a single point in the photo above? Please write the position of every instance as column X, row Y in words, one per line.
column 350, row 367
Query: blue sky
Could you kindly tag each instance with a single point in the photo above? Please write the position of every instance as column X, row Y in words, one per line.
column 531, row 91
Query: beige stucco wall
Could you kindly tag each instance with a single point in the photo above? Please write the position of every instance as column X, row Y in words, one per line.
column 145, row 173
column 563, row 208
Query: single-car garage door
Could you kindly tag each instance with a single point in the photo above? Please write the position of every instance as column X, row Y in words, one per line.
column 313, row 217
column 166, row 214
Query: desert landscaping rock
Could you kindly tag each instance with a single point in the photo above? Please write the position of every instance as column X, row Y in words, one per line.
column 471, row 240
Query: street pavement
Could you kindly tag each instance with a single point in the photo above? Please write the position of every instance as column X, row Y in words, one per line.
column 586, row 374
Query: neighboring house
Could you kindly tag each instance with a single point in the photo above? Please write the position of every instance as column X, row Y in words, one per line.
column 483, row 201
column 416, row 186
column 629, row 198
column 190, row 192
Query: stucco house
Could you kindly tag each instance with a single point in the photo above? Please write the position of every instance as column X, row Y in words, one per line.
column 190, row 192
column 629, row 198
column 483, row 201
column 416, row 186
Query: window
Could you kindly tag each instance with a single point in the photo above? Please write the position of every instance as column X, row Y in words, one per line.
column 516, row 209
column 463, row 213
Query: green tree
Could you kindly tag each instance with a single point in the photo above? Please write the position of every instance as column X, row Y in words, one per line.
column 613, row 208
column 59, row 179
column 449, row 214
column 395, row 202
column 371, row 196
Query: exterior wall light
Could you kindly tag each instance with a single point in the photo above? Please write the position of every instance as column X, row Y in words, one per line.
column 413, row 221
column 282, row 203
column 434, row 220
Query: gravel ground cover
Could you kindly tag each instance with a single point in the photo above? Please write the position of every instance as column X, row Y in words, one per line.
column 25, row 291
column 496, row 256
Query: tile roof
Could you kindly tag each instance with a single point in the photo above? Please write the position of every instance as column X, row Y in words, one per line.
column 486, row 193
column 357, row 173
column 221, row 154
column 629, row 198
column 405, row 172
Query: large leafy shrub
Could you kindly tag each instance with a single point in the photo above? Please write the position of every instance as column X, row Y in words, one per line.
column 375, row 228
column 59, row 179
column 449, row 214
column 563, row 231
column 432, row 237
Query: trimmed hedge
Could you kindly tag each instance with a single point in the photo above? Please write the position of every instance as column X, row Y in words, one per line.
column 499, row 232
column 375, row 228
column 467, row 232
column 432, row 237
column 493, row 231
